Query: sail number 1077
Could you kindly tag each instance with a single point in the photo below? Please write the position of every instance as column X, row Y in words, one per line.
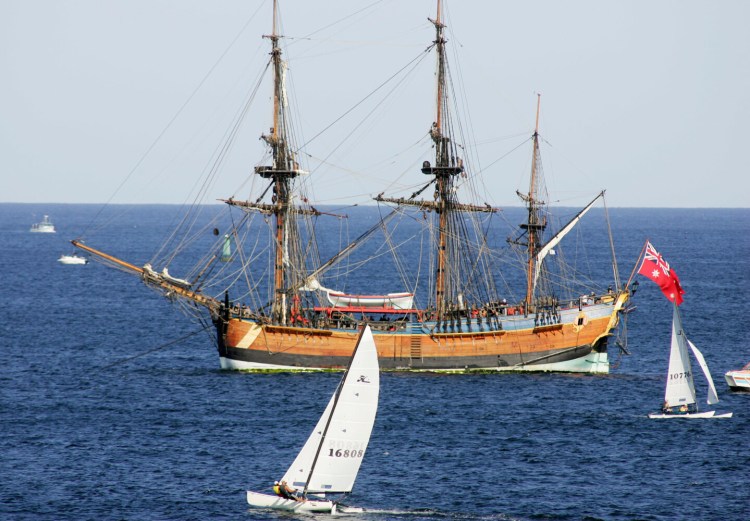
column 345, row 453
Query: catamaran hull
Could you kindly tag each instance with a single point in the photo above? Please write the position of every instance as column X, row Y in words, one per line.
column 256, row 499
column 578, row 344
column 705, row 414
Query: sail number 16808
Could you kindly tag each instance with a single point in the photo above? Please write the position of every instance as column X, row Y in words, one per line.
column 345, row 453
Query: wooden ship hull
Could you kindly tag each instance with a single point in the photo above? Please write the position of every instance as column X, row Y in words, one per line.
column 575, row 341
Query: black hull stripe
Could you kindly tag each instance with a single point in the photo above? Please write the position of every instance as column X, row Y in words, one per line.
column 405, row 363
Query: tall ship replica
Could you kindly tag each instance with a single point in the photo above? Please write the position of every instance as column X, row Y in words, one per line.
column 268, row 296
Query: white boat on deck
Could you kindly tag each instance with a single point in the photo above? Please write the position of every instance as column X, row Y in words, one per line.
column 679, row 397
column 391, row 300
column 739, row 379
column 329, row 462
column 72, row 259
column 45, row 226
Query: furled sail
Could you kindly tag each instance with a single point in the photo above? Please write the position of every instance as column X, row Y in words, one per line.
column 680, row 388
column 331, row 457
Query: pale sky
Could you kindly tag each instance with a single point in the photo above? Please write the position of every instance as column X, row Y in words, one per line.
column 649, row 100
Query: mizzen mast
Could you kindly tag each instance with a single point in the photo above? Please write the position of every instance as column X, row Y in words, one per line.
column 536, row 223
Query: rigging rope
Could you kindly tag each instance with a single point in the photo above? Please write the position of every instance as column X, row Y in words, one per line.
column 171, row 121
column 163, row 346
column 413, row 63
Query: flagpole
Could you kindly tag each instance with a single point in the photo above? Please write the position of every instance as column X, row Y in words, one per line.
column 637, row 262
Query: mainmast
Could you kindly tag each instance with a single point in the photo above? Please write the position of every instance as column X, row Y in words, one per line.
column 443, row 171
column 447, row 165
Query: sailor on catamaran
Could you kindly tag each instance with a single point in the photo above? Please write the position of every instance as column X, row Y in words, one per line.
column 281, row 489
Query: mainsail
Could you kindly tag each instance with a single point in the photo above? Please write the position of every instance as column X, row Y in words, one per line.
column 330, row 459
column 680, row 389
column 680, row 385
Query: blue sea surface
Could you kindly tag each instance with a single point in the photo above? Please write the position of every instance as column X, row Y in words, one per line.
column 112, row 405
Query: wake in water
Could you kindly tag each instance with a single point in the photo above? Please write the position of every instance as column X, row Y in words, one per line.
column 417, row 514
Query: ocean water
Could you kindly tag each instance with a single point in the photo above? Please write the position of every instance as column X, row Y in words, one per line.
column 112, row 405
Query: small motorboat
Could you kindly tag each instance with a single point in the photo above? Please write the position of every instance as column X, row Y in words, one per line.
column 739, row 379
column 45, row 226
column 72, row 259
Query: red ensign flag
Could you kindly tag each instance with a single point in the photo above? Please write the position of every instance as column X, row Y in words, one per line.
column 657, row 269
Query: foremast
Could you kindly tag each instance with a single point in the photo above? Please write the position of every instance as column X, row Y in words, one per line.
column 448, row 164
column 282, row 172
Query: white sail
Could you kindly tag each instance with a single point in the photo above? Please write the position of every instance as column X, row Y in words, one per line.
column 680, row 389
column 299, row 471
column 712, row 397
column 331, row 457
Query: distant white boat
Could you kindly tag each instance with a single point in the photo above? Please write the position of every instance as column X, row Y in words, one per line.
column 679, row 397
column 72, row 259
column 739, row 379
column 45, row 226
column 329, row 461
